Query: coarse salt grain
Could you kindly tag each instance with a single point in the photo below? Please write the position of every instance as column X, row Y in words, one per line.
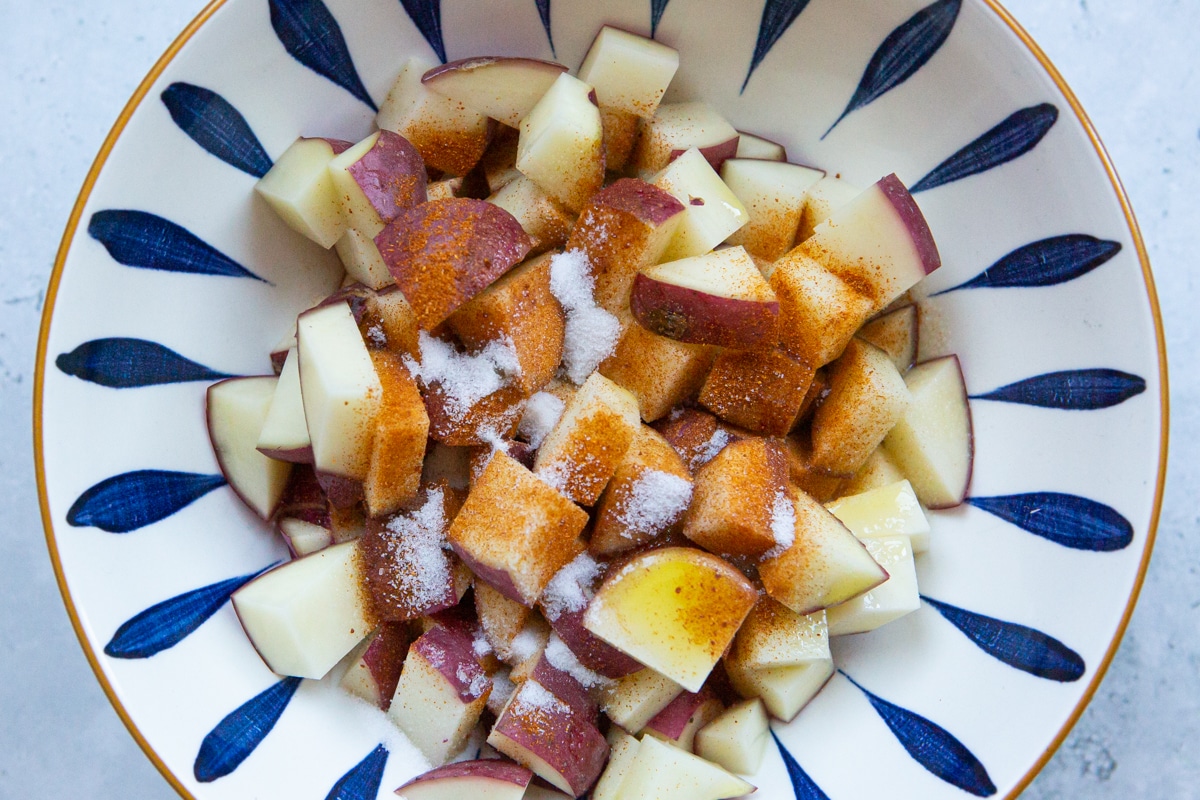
column 591, row 333
column 542, row 412
column 570, row 588
column 561, row 658
column 464, row 378
column 537, row 697
column 656, row 500
column 416, row 546
column 377, row 335
column 525, row 644
column 783, row 525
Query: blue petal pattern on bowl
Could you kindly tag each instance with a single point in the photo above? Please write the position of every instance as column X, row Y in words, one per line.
column 1046, row 262
column 235, row 737
column 427, row 16
column 1019, row 133
column 1025, row 648
column 166, row 624
column 802, row 784
column 1070, row 390
column 214, row 124
column 312, row 36
column 1066, row 519
column 543, row 7
column 657, row 7
column 902, row 53
column 777, row 17
column 932, row 746
column 363, row 779
column 122, row 363
column 145, row 240
column 133, row 500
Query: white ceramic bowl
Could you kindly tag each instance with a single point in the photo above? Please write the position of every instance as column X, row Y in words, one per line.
column 1069, row 466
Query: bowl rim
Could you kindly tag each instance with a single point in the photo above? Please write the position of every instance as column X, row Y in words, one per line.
column 193, row 27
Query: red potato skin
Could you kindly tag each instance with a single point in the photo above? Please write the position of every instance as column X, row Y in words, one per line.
column 592, row 651
column 278, row 357
column 714, row 154
column 341, row 491
column 391, row 175
column 565, row 688
column 467, row 64
column 689, row 315
column 643, row 201
column 390, row 602
column 672, row 720
column 384, row 658
column 451, row 653
column 304, row 498
column 910, row 214
column 444, row 252
column 298, row 455
column 492, row 769
column 338, row 146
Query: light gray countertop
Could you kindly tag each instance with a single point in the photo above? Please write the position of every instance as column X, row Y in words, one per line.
column 67, row 68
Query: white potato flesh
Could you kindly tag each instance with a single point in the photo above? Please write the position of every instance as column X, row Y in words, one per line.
column 340, row 389
column 623, row 748
column 303, row 537
column 711, row 210
column 891, row 510
column 825, row 197
column 634, row 700
column 506, row 89
column 662, row 772
column 737, row 739
column 561, row 143
column 362, row 261
column 411, row 106
column 304, row 616
column 236, row 411
column 774, row 194
column 751, row 146
column 888, row 602
column 630, row 73
column 301, row 191
column 285, row 429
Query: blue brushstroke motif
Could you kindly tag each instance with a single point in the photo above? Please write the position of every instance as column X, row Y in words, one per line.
column 133, row 500
column 1071, row 390
column 1027, row 649
column 235, row 737
column 142, row 239
column 217, row 126
column 1019, row 133
column 312, row 36
column 802, row 784
column 427, row 16
column 902, row 53
column 932, row 746
column 168, row 623
column 543, row 7
column 362, row 781
column 1046, row 262
column 657, row 7
column 1065, row 519
column 777, row 17
column 121, row 363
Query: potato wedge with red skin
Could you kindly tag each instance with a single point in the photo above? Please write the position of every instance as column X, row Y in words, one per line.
column 445, row 252
column 236, row 409
column 378, row 178
column 734, row 501
column 502, row 87
column 683, row 718
column 484, row 779
column 774, row 195
column 300, row 189
column 719, row 298
column 752, row 146
column 284, row 435
column 678, row 127
column 897, row 333
column 761, row 392
column 375, row 668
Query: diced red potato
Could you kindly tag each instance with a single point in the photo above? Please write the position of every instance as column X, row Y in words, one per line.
column 751, row 146
column 584, row 448
column 737, row 739
column 481, row 454
column 561, row 146
column 621, row 130
column 284, row 433
column 824, row 197
column 933, row 444
column 499, row 162
column 398, row 443
column 541, row 216
column 867, row 397
column 483, row 779
column 375, row 665
column 629, row 72
column 897, row 334
column 361, row 259
column 659, row 771
column 303, row 537
column 682, row 719
column 441, row 694
column 445, row 252
column 450, row 137
column 659, row 372
column 711, row 211
column 634, row 700
column 516, row 532
column 378, row 178
column 804, row 475
column 888, row 602
column 647, row 495
column 819, row 312
column 303, row 498
column 719, row 298
column 674, row 609
column 444, row 189
column 824, row 566
column 340, row 388
column 495, row 415
column 624, row 227
column 590, row 650
column 518, row 308
column 818, row 390
column 879, row 470
column 306, row 615
column 502, row 619
column 505, row 89
column 622, row 749
column 695, row 434
column 348, row 523
column 390, row 310
column 761, row 392
column 740, row 500
column 774, row 194
column 279, row 352
column 300, row 189
column 678, row 127
column 236, row 410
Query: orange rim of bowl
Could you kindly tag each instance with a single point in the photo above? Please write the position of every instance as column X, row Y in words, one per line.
column 194, row 26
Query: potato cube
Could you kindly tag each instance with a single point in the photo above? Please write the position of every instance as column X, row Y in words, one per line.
column 740, row 505
column 398, row 445
column 762, row 392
